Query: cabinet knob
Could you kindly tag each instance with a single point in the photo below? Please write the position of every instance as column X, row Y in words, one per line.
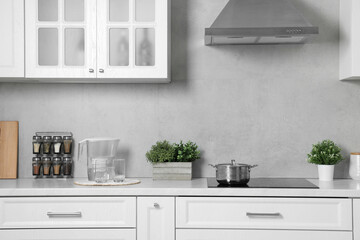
column 156, row 205
column 101, row 70
column 91, row 70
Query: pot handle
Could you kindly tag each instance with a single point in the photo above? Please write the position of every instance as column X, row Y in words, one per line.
column 211, row 165
column 252, row 166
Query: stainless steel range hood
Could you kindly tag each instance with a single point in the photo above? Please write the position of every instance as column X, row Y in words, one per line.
column 259, row 22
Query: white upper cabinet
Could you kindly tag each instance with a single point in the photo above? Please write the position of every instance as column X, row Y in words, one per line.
column 132, row 39
column 12, row 38
column 60, row 38
column 108, row 40
column 349, row 40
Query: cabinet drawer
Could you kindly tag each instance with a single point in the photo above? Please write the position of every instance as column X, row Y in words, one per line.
column 68, row 234
column 67, row 212
column 213, row 234
column 264, row 213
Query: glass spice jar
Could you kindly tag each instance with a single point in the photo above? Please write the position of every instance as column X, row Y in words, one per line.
column 36, row 165
column 67, row 166
column 68, row 144
column 57, row 142
column 56, row 166
column 46, row 166
column 47, row 144
column 37, row 140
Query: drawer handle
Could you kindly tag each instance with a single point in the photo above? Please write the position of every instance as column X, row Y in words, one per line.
column 264, row 215
column 64, row 214
column 156, row 205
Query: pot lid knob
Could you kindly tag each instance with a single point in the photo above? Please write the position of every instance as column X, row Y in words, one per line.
column 233, row 162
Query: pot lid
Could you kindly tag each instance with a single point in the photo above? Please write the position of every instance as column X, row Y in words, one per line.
column 233, row 163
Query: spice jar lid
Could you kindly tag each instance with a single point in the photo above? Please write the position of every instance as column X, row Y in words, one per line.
column 46, row 159
column 67, row 159
column 56, row 159
column 57, row 138
column 36, row 159
column 36, row 137
column 47, row 138
column 67, row 138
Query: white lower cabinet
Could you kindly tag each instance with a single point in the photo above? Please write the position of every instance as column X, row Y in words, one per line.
column 356, row 216
column 264, row 213
column 234, row 218
column 218, row 234
column 69, row 234
column 68, row 212
column 156, row 218
column 180, row 218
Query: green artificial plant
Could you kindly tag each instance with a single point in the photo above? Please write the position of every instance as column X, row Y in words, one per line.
column 177, row 152
column 187, row 152
column 161, row 152
column 325, row 153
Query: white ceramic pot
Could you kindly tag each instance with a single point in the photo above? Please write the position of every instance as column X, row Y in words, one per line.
column 354, row 170
column 326, row 172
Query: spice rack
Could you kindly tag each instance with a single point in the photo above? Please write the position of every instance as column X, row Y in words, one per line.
column 53, row 154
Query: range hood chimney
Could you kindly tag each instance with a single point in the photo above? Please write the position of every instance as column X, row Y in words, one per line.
column 259, row 22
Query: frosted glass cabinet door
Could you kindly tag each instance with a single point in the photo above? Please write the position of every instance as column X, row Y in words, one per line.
column 132, row 40
column 12, row 38
column 60, row 39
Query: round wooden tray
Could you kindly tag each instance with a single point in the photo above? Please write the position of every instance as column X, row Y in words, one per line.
column 126, row 182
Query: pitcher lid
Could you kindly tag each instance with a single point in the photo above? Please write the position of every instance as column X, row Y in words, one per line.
column 100, row 139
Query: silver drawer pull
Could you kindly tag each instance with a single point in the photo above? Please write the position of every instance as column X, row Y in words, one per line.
column 64, row 214
column 156, row 205
column 266, row 215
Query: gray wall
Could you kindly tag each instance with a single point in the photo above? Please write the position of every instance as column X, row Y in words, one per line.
column 256, row 104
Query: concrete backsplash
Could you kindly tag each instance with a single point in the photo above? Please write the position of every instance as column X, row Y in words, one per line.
column 256, row 104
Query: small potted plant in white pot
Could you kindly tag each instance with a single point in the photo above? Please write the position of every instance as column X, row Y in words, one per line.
column 173, row 161
column 326, row 155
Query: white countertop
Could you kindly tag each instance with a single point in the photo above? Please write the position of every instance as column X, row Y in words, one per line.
column 197, row 187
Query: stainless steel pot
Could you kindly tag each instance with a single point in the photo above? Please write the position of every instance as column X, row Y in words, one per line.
column 233, row 173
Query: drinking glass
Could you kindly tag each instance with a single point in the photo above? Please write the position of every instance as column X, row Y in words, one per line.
column 119, row 170
column 101, row 171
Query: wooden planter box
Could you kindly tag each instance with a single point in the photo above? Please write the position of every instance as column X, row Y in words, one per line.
column 172, row 171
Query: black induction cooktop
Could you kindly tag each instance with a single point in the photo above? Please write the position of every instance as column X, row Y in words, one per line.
column 267, row 183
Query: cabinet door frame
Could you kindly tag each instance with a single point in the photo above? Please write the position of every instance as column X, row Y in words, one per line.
column 259, row 234
column 356, row 218
column 33, row 70
column 150, row 207
column 15, row 68
column 71, row 234
column 162, row 45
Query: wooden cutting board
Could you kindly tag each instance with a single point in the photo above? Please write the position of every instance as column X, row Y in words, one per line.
column 9, row 136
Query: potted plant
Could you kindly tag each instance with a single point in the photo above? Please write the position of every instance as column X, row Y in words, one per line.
column 326, row 155
column 173, row 161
